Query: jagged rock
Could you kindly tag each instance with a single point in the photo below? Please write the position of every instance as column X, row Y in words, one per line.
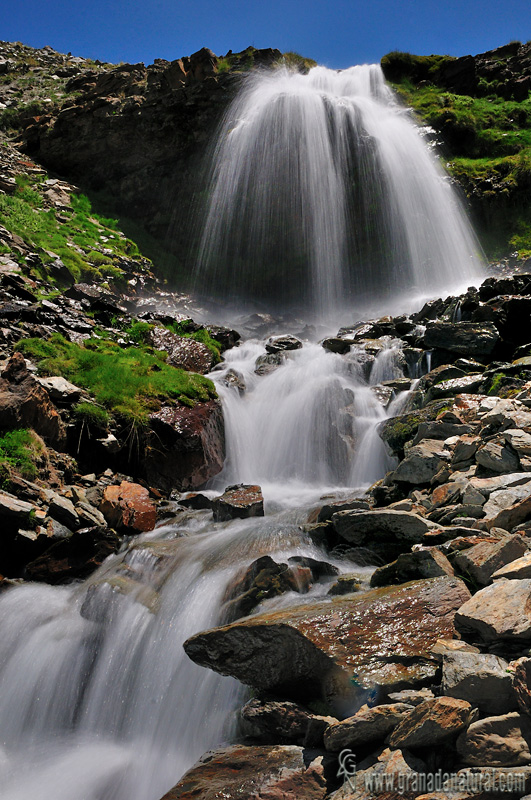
column 25, row 404
column 412, row 697
column 381, row 637
column 238, row 502
column 233, row 379
column 488, row 485
column 497, row 741
column 481, row 679
column 367, row 726
column 394, row 771
column 522, row 683
column 510, row 517
column 422, row 462
column 89, row 516
column 13, row 510
column 226, row 337
column 183, row 352
column 482, row 560
column 279, row 344
column 519, row 441
column 505, row 498
column 497, row 457
column 62, row 509
column 74, row 558
column 432, row 723
column 412, row 566
column 129, row 508
column 186, row 446
column 246, row 773
column 262, row 579
column 518, row 569
column 337, row 345
column 325, row 512
column 60, row 389
column 500, row 611
column 465, row 338
column 282, row 722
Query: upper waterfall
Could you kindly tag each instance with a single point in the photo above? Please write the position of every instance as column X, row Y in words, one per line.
column 323, row 190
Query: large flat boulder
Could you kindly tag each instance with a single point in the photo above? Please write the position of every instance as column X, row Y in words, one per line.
column 499, row 611
column 401, row 528
column 497, row 741
column 249, row 773
column 380, row 638
column 465, row 338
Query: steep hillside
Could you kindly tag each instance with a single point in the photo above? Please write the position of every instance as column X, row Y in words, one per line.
column 480, row 108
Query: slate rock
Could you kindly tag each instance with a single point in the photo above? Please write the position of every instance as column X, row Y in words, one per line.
column 497, row 741
column 501, row 611
column 481, row 679
column 367, row 726
column 432, row 723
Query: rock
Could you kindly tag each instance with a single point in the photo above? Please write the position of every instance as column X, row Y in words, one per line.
column 183, row 352
column 246, row 773
column 432, row 723
column 510, row 517
column 422, row 462
column 505, row 498
column 412, row 566
column 500, row 611
column 368, row 726
column 389, row 776
column 282, row 722
column 262, row 579
column 238, row 502
column 449, row 388
column 234, row 379
column 186, row 446
column 413, row 697
column 337, row 345
column 522, row 683
column 496, row 456
column 482, row 560
column 499, row 741
column 89, row 516
column 465, row 338
column 346, row 584
column 443, row 647
column 279, row 344
column 14, row 511
column 517, row 570
column 519, row 441
column 25, row 404
column 74, row 558
column 62, row 509
column 129, row 508
column 483, row 680
column 488, row 485
column 60, row 389
column 325, row 512
column 397, row 530
column 381, row 637
column 226, row 337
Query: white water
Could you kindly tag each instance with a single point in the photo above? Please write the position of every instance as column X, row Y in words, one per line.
column 323, row 192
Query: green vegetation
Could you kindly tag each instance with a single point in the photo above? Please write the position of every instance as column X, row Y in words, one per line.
column 129, row 382
column 19, row 452
column 489, row 141
column 202, row 335
column 76, row 236
column 296, row 61
column 92, row 414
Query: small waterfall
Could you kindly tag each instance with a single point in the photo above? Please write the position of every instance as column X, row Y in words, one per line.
column 323, row 192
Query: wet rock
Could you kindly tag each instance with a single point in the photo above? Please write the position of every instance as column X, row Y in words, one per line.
column 422, row 462
column 128, row 508
column 74, row 558
column 282, row 722
column 497, row 741
column 412, row 566
column 183, row 352
column 412, row 697
column 235, row 380
column 382, row 637
column 432, row 723
column 337, row 345
column 325, row 513
column 238, row 502
column 268, row 363
column 186, row 446
column 485, row 558
column 196, row 501
column 262, row 579
column 449, row 388
column 481, row 679
column 367, row 726
column 500, row 611
column 25, row 404
column 346, row 584
column 465, row 338
column 226, row 337
column 278, row 344
column 246, row 773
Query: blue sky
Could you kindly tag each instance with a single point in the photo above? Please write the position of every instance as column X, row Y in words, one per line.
column 337, row 33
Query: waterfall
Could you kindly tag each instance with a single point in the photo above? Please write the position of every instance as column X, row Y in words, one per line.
column 323, row 192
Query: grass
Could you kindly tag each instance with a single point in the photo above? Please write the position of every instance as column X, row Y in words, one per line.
column 202, row 335
column 129, row 382
column 19, row 450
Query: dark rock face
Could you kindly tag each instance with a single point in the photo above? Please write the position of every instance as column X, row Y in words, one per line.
column 75, row 557
column 239, row 502
column 183, row 352
column 186, row 446
column 248, row 773
column 465, row 338
column 380, row 638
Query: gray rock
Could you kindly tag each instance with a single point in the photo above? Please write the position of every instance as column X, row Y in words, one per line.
column 62, row 509
column 12, row 508
column 422, row 462
column 519, row 441
column 481, row 679
column 60, row 389
column 522, row 683
column 496, row 456
column 88, row 515
column 278, row 344
column 412, row 566
column 238, row 502
column 505, row 498
column 488, row 485
column 499, row 741
column 482, row 560
column 282, row 722
column 360, row 527
column 500, row 611
column 413, row 697
column 368, row 726
column 432, row 723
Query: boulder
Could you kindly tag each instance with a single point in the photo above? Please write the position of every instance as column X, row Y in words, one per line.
column 482, row 560
column 483, row 680
column 412, row 566
column 510, row 517
column 186, row 446
column 282, row 722
column 390, row 531
column 24, row 403
column 128, row 508
column 465, row 338
column 238, row 502
column 522, row 683
column 499, row 741
column 367, row 726
column 422, row 462
column 500, row 611
column 505, row 498
column 496, row 456
column 262, row 579
column 379, row 638
column 518, row 569
column 60, row 390
column 74, row 558
column 248, row 773
column 432, row 723
column 183, row 352
column 278, row 344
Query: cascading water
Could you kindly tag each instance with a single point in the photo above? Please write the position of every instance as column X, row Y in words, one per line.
column 321, row 173
column 323, row 193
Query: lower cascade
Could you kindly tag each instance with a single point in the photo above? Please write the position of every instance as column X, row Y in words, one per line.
column 327, row 174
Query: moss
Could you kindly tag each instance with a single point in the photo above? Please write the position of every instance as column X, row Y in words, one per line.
column 129, row 382
column 20, row 451
column 202, row 335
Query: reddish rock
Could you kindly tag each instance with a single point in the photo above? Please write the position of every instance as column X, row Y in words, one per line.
column 128, row 508
column 497, row 741
column 183, row 352
column 239, row 502
column 26, row 404
column 186, row 446
column 432, row 722
column 249, row 773
column 522, row 684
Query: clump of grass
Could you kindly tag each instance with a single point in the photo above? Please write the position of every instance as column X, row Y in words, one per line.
column 202, row 335
column 294, row 60
column 91, row 414
column 19, row 452
column 129, row 382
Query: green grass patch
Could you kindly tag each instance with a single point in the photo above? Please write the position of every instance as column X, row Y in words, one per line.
column 19, row 450
column 91, row 414
column 202, row 335
column 129, row 382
